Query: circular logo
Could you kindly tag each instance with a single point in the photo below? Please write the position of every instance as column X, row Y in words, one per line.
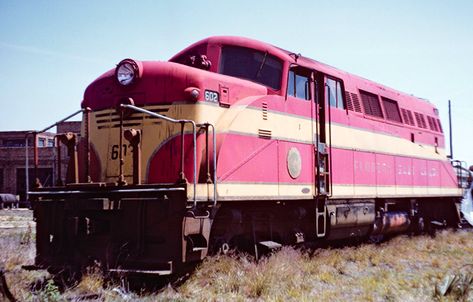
column 294, row 162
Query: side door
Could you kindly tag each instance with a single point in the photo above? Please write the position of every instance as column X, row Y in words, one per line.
column 307, row 89
column 296, row 150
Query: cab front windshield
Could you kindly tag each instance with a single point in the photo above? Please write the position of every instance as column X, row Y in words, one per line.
column 250, row 64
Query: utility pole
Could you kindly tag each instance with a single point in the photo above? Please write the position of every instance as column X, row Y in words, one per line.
column 450, row 128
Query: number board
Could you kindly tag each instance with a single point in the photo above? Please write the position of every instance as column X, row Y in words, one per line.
column 211, row 96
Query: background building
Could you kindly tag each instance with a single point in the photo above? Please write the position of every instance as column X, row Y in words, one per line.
column 13, row 155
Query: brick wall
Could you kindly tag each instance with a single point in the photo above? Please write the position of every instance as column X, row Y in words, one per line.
column 13, row 163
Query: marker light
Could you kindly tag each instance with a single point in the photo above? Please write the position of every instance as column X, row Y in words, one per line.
column 192, row 93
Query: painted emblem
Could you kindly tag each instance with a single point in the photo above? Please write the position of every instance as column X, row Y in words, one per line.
column 294, row 162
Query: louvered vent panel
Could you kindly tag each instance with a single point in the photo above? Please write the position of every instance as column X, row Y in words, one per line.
column 391, row 109
column 440, row 125
column 376, row 108
column 356, row 102
column 411, row 117
column 417, row 115
column 424, row 124
column 349, row 102
column 111, row 119
column 432, row 123
column 404, row 116
column 420, row 120
column 366, row 103
column 371, row 104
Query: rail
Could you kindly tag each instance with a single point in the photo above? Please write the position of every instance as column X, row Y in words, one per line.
column 182, row 122
column 35, row 135
column 462, row 173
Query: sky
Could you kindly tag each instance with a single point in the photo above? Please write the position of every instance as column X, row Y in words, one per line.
column 51, row 50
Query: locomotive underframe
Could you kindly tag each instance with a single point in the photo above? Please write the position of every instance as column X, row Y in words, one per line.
column 250, row 225
column 156, row 230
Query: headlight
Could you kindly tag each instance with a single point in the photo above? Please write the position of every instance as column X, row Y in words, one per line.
column 127, row 72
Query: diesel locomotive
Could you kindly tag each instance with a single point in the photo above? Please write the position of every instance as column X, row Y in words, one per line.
column 235, row 143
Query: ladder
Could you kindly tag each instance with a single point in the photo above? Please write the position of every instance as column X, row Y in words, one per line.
column 320, row 216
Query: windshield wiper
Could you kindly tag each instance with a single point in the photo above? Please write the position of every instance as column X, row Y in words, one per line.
column 262, row 64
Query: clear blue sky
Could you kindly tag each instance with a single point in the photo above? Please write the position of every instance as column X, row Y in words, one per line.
column 51, row 50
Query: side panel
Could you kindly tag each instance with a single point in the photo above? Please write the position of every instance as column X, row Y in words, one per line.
column 343, row 171
column 365, row 174
column 248, row 158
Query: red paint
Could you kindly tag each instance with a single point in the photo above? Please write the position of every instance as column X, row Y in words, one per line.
column 385, row 169
column 389, row 170
column 247, row 159
column 403, row 171
column 343, row 166
column 164, row 165
column 250, row 159
column 364, row 167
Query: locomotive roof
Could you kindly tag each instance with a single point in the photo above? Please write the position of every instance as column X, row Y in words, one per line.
column 358, row 81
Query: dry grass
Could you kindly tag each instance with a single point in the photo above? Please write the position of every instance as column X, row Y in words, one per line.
column 399, row 270
column 402, row 269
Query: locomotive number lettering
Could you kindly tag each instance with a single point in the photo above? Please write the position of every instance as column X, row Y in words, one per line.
column 211, row 96
column 116, row 152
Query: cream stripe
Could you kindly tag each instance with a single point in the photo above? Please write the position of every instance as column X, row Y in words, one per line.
column 393, row 191
column 248, row 191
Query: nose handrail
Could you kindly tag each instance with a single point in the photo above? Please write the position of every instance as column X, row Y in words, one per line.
column 194, row 138
column 35, row 134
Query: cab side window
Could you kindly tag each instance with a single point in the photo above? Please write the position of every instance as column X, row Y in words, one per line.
column 334, row 92
column 299, row 83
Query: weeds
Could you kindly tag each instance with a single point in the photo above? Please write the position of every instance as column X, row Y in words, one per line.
column 49, row 293
column 402, row 269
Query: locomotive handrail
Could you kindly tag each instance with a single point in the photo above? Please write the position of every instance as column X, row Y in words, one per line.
column 330, row 142
column 194, row 137
column 461, row 166
column 35, row 133
column 214, row 158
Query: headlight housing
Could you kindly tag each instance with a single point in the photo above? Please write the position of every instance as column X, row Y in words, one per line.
column 127, row 72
